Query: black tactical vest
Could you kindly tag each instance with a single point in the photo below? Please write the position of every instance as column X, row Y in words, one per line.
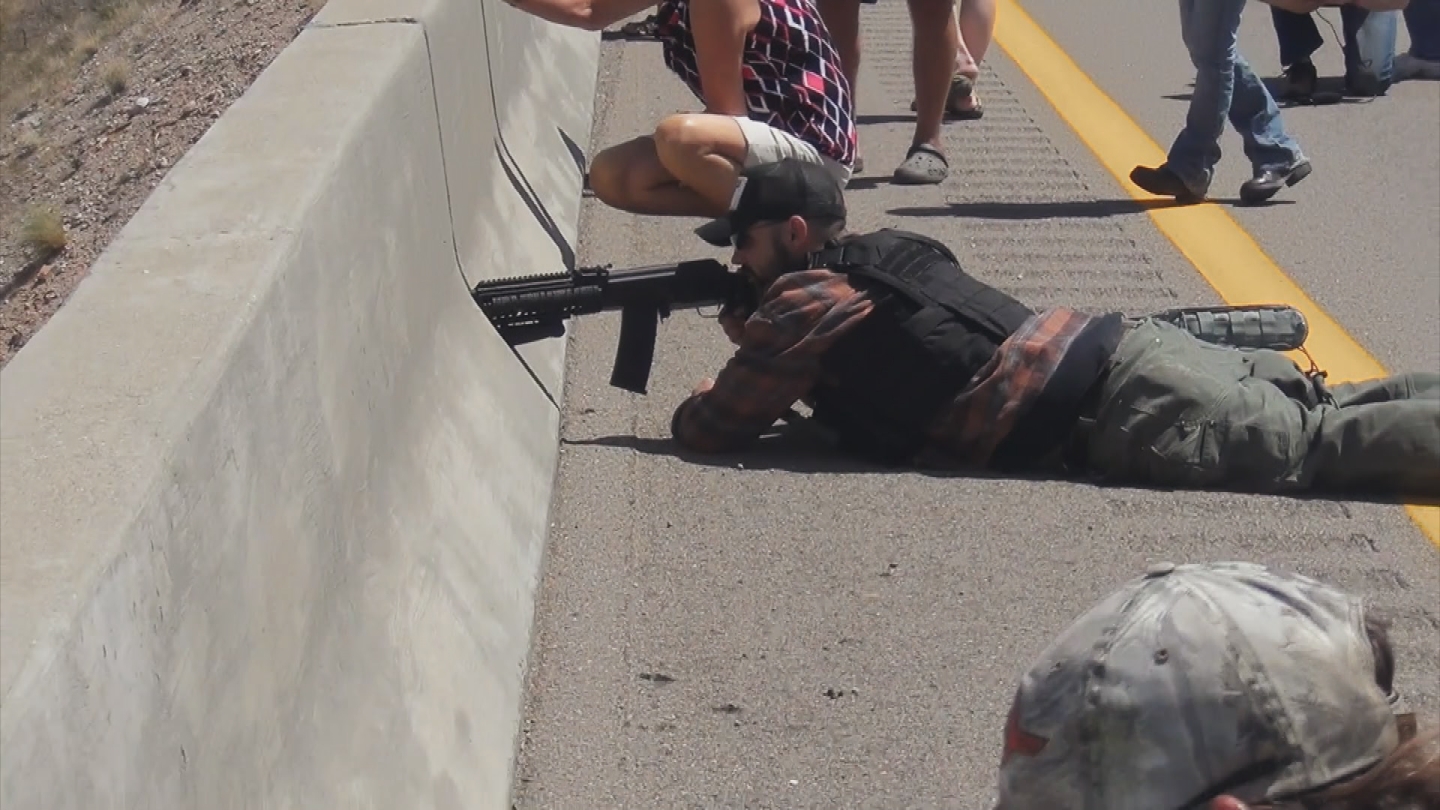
column 933, row 327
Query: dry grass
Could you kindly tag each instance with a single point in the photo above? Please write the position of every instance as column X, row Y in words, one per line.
column 87, row 46
column 115, row 74
column 44, row 43
column 95, row 158
column 44, row 232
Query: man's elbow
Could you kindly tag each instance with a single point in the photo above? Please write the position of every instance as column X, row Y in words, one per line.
column 711, row 442
column 700, row 442
column 693, row 441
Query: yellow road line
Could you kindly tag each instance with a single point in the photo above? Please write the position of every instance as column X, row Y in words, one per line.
column 1222, row 251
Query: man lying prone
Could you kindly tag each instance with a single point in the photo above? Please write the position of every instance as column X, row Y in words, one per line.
column 909, row 360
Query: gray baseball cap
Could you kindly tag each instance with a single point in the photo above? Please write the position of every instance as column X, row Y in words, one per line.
column 1194, row 681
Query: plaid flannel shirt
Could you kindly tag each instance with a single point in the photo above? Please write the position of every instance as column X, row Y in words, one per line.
column 802, row 314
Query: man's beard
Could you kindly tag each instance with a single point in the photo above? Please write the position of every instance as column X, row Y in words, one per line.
column 795, row 263
column 788, row 262
column 784, row 262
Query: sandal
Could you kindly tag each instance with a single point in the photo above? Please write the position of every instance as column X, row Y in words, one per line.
column 648, row 28
column 924, row 165
column 961, row 88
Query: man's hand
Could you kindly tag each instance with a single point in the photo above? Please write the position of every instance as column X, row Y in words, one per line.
column 703, row 386
column 733, row 323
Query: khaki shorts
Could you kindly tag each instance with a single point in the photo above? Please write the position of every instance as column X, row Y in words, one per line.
column 766, row 144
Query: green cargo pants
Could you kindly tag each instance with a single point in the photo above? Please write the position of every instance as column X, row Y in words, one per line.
column 1174, row 411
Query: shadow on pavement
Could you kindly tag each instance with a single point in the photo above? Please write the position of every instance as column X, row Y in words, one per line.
column 795, row 450
column 1063, row 210
column 801, row 450
column 884, row 118
column 867, row 183
column 1329, row 90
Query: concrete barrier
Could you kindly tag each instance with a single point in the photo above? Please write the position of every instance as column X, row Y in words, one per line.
column 273, row 494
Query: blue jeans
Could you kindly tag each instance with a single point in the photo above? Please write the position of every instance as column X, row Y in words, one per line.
column 1368, row 41
column 1422, row 21
column 1225, row 88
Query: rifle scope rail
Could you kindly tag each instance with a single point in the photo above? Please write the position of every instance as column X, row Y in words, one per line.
column 546, row 299
column 542, row 298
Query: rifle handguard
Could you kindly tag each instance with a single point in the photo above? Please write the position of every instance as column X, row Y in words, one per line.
column 546, row 298
column 644, row 295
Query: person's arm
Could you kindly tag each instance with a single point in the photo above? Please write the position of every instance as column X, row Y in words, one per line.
column 591, row 15
column 776, row 364
column 738, row 406
column 720, row 28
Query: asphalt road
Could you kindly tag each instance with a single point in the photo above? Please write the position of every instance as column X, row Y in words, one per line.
column 785, row 629
column 1362, row 233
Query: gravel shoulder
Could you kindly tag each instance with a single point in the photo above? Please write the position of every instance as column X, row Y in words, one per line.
column 82, row 147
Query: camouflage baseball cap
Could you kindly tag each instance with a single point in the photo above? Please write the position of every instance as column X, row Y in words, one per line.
column 1194, row 681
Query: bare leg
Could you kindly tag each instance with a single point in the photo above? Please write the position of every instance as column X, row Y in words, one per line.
column 976, row 21
column 705, row 153
column 965, row 62
column 842, row 19
column 934, row 36
column 687, row 168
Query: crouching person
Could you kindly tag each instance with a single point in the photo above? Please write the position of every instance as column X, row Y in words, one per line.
column 772, row 86
column 1222, row 686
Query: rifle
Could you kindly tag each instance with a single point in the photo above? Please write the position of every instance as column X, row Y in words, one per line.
column 646, row 295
